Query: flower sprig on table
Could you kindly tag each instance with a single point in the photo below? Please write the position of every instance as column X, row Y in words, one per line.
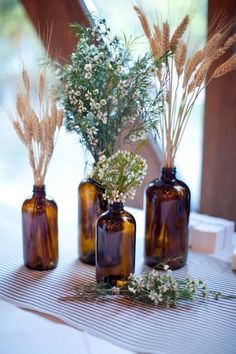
column 105, row 91
column 159, row 288
column 183, row 76
column 120, row 174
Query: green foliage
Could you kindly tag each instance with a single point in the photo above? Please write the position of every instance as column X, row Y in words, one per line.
column 104, row 92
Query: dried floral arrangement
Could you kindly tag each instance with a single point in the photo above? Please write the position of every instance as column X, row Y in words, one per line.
column 182, row 76
column 105, row 91
column 159, row 288
column 120, row 174
column 37, row 131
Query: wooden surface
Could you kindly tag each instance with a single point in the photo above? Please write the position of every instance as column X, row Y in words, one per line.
column 218, row 193
column 55, row 16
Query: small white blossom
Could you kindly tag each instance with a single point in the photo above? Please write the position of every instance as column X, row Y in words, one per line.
column 132, row 290
column 115, row 290
column 88, row 75
column 88, row 67
column 102, row 117
column 149, row 285
column 97, row 105
column 102, row 158
column 103, row 102
column 95, row 58
column 155, row 297
column 138, row 135
column 132, row 119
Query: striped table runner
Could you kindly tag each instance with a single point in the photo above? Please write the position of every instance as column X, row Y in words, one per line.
column 206, row 327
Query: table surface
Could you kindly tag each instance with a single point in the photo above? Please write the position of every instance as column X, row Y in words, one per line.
column 24, row 331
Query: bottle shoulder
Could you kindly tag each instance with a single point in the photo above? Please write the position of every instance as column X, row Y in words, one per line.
column 182, row 184
column 123, row 215
column 159, row 183
column 89, row 184
column 50, row 201
column 160, row 187
column 32, row 201
column 154, row 183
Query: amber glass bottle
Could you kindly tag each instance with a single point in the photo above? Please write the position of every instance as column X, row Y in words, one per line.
column 167, row 207
column 91, row 206
column 115, row 246
column 40, row 231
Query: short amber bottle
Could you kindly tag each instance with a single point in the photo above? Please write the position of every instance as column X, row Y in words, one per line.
column 167, row 207
column 91, row 206
column 115, row 245
column 40, row 231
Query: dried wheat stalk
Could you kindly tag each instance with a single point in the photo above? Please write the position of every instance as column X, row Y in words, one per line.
column 226, row 67
column 182, row 77
column 37, row 131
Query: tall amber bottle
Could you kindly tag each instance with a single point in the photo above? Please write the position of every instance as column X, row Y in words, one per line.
column 115, row 245
column 167, row 207
column 40, row 231
column 91, row 206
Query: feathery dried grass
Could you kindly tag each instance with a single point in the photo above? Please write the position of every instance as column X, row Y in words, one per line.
column 227, row 44
column 165, row 44
column 211, row 45
column 180, row 58
column 191, row 65
column 179, row 32
column 199, row 76
column 157, row 34
column 144, row 21
column 38, row 132
column 226, row 67
column 183, row 77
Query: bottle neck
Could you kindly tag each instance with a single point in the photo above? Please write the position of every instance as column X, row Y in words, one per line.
column 116, row 206
column 39, row 191
column 168, row 174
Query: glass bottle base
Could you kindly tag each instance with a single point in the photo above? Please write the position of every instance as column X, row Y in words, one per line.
column 114, row 280
column 40, row 267
column 88, row 258
column 176, row 263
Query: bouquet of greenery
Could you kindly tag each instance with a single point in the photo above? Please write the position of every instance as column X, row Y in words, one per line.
column 106, row 92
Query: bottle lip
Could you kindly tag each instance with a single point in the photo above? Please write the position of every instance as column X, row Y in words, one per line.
column 168, row 174
column 168, row 169
column 116, row 205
